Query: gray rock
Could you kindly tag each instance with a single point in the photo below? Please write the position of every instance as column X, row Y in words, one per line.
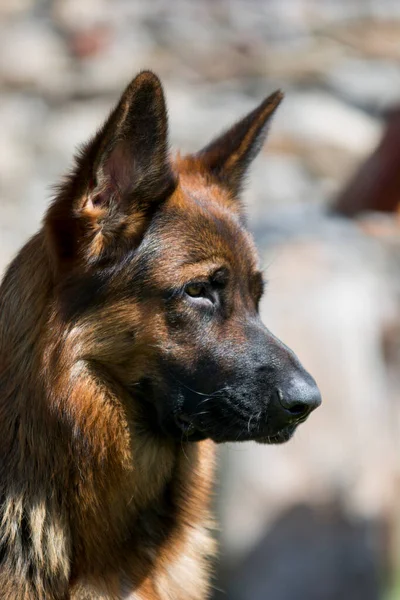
column 373, row 84
column 319, row 117
column 32, row 55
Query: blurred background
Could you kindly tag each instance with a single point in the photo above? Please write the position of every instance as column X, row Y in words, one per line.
column 318, row 518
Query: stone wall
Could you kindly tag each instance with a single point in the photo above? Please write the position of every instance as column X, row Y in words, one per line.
column 333, row 292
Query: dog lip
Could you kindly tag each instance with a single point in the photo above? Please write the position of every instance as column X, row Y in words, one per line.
column 185, row 423
column 184, row 418
column 280, row 437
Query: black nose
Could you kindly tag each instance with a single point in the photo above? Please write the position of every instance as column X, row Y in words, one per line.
column 299, row 397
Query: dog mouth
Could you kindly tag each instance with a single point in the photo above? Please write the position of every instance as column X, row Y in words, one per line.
column 282, row 436
column 189, row 431
column 192, row 432
column 185, row 424
column 191, row 427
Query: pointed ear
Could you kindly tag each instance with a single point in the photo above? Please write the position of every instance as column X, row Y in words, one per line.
column 228, row 157
column 129, row 155
column 120, row 178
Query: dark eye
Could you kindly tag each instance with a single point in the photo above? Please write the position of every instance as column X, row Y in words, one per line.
column 202, row 295
column 196, row 290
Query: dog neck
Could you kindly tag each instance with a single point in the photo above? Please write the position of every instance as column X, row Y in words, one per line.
column 72, row 429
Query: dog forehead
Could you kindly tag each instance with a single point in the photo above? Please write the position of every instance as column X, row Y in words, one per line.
column 195, row 228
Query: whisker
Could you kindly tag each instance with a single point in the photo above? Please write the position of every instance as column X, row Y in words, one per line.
column 223, row 389
column 212, row 394
column 203, row 412
column 186, row 386
column 182, row 446
column 249, row 423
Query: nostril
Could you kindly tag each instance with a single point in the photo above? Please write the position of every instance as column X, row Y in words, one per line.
column 297, row 403
column 298, row 409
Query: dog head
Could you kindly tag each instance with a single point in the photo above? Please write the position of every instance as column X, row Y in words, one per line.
column 158, row 284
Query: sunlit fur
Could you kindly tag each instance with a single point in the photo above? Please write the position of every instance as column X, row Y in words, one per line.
column 95, row 504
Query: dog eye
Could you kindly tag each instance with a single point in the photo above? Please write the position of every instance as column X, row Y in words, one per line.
column 196, row 290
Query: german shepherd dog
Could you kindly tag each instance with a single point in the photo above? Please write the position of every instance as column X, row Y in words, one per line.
column 130, row 344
